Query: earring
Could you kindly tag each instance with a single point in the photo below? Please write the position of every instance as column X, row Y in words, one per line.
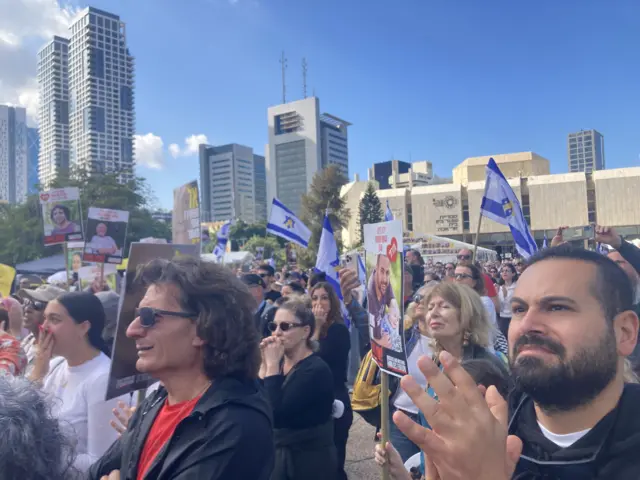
column 465, row 339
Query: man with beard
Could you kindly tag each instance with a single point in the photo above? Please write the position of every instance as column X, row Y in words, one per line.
column 571, row 416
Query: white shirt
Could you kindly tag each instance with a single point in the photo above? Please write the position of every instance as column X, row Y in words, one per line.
column 505, row 299
column 98, row 242
column 402, row 400
column 563, row 440
column 77, row 395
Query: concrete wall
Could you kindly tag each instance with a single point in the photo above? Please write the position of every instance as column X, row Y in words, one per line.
column 557, row 200
column 437, row 209
column 617, row 196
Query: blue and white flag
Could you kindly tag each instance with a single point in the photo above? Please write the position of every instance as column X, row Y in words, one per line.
column 388, row 214
column 284, row 223
column 501, row 205
column 328, row 260
column 544, row 242
column 601, row 249
column 223, row 238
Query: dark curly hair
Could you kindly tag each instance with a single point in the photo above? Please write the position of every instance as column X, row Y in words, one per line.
column 32, row 444
column 223, row 303
column 335, row 314
column 64, row 208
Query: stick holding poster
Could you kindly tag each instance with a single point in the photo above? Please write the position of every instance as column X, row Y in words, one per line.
column 108, row 231
column 61, row 215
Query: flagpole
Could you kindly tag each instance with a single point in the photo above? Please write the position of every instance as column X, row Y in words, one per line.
column 475, row 242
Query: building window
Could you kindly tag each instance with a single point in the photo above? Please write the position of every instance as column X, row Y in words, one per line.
column 526, row 209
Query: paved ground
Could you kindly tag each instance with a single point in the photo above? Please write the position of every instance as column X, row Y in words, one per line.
column 360, row 464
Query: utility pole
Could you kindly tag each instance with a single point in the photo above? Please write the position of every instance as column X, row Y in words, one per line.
column 283, row 62
column 304, row 78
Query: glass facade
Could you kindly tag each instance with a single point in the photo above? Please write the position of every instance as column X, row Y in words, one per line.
column 291, row 174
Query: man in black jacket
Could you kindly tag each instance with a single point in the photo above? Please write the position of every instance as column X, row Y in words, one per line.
column 571, row 416
column 195, row 333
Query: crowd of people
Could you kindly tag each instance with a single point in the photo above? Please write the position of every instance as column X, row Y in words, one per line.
column 516, row 370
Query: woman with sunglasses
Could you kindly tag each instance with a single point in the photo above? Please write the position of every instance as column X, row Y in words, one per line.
column 77, row 379
column 335, row 342
column 299, row 386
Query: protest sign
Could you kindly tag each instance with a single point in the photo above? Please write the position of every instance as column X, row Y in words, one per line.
column 7, row 274
column 108, row 231
column 123, row 376
column 384, row 263
column 61, row 215
column 185, row 222
column 88, row 274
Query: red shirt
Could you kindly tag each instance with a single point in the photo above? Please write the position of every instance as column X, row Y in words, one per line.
column 161, row 431
column 488, row 285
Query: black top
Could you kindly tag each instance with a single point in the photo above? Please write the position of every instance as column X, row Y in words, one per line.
column 334, row 350
column 227, row 435
column 272, row 295
column 304, row 397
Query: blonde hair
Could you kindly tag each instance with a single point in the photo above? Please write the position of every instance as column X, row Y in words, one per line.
column 474, row 321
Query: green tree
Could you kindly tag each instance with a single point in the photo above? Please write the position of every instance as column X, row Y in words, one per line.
column 240, row 233
column 370, row 209
column 21, row 230
column 272, row 248
column 324, row 193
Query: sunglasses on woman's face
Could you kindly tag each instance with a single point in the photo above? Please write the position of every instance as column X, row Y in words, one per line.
column 418, row 298
column 460, row 276
column 284, row 326
column 149, row 315
column 37, row 306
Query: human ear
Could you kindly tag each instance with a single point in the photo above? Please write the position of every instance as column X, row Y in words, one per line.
column 625, row 326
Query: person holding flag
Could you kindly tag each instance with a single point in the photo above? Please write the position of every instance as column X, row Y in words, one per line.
column 223, row 238
column 501, row 205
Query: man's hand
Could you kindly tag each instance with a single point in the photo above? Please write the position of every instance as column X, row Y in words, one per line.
column 348, row 282
column 558, row 239
column 469, row 437
column 608, row 235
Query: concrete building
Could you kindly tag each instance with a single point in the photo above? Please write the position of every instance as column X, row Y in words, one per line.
column 53, row 113
column 227, row 183
column 33, row 150
column 420, row 173
column 382, row 172
column 260, row 181
column 13, row 154
column 576, row 200
column 301, row 142
column 101, row 94
column 585, row 151
column 522, row 164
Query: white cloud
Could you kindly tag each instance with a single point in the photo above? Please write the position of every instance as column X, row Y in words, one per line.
column 191, row 146
column 25, row 26
column 149, row 151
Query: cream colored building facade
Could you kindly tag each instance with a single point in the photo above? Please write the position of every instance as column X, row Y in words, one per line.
column 576, row 200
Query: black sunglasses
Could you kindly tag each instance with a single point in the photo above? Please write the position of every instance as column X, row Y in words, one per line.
column 417, row 298
column 464, row 257
column 284, row 326
column 460, row 276
column 148, row 315
column 37, row 306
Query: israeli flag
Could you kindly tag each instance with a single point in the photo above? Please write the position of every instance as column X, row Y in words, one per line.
column 328, row 260
column 388, row 214
column 501, row 205
column 223, row 238
column 601, row 249
column 544, row 242
column 284, row 223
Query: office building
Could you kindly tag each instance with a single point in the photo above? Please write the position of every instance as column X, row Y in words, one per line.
column 512, row 165
column 381, row 172
column 260, row 181
column 585, row 151
column 33, row 150
column 53, row 113
column 301, row 142
column 334, row 143
column 13, row 154
column 227, row 183
column 101, row 94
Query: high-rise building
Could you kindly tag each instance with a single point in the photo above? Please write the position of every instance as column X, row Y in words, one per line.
column 260, row 181
column 101, row 94
column 381, row 172
column 301, row 142
column 585, row 151
column 334, row 143
column 13, row 154
column 53, row 115
column 227, row 183
column 33, row 150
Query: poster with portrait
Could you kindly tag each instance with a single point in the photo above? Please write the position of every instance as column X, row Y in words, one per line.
column 90, row 273
column 123, row 376
column 185, row 222
column 61, row 215
column 384, row 263
column 106, row 234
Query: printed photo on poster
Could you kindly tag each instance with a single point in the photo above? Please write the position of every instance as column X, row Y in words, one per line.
column 185, row 222
column 61, row 215
column 90, row 273
column 123, row 376
column 384, row 264
column 106, row 234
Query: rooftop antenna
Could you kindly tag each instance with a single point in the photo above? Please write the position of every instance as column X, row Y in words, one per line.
column 304, row 77
column 283, row 62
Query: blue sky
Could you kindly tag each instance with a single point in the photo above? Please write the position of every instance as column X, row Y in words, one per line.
column 420, row 80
